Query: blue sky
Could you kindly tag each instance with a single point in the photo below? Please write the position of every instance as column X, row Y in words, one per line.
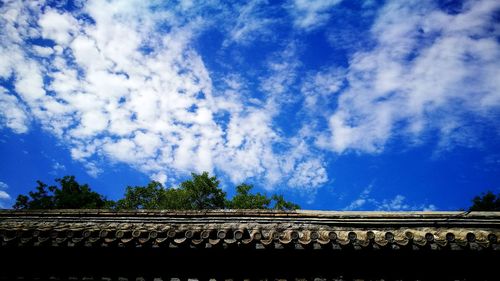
column 344, row 105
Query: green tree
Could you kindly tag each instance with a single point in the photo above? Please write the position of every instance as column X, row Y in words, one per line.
column 142, row 197
column 154, row 196
column 244, row 200
column 42, row 198
column 200, row 192
column 487, row 202
column 70, row 195
column 203, row 192
column 175, row 199
column 281, row 204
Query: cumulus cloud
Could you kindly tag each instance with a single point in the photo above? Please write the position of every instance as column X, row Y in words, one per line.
column 429, row 71
column 121, row 81
column 43, row 51
column 59, row 27
column 309, row 15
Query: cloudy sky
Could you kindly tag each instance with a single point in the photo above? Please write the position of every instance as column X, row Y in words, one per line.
column 345, row 105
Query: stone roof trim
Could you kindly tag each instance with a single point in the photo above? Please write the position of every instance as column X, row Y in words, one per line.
column 253, row 229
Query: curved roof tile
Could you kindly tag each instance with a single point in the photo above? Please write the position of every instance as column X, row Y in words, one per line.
column 251, row 229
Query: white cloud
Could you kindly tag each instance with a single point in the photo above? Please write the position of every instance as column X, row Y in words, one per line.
column 318, row 89
column 309, row 15
column 92, row 169
column 247, row 150
column 58, row 27
column 58, row 166
column 250, row 24
column 398, row 203
column 116, row 89
column 12, row 113
column 43, row 51
column 395, row 204
column 29, row 84
column 282, row 74
column 4, row 196
column 428, row 208
column 159, row 177
column 356, row 204
column 310, row 174
column 361, row 200
column 427, row 71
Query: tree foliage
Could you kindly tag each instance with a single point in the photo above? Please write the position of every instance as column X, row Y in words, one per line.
column 282, row 204
column 203, row 192
column 200, row 192
column 486, row 202
column 70, row 195
column 245, row 200
column 150, row 196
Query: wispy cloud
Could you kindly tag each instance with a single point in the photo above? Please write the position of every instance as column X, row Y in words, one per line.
column 319, row 90
column 361, row 200
column 399, row 203
column 251, row 23
column 57, row 168
column 309, row 15
column 428, row 72
column 282, row 73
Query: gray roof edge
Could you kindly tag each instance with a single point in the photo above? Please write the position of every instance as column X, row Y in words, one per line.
column 254, row 213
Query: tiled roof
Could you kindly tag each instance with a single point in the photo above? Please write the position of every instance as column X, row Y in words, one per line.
column 265, row 229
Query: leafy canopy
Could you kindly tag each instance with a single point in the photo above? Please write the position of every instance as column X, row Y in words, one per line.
column 200, row 192
column 70, row 195
column 203, row 192
column 487, row 202
column 245, row 200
